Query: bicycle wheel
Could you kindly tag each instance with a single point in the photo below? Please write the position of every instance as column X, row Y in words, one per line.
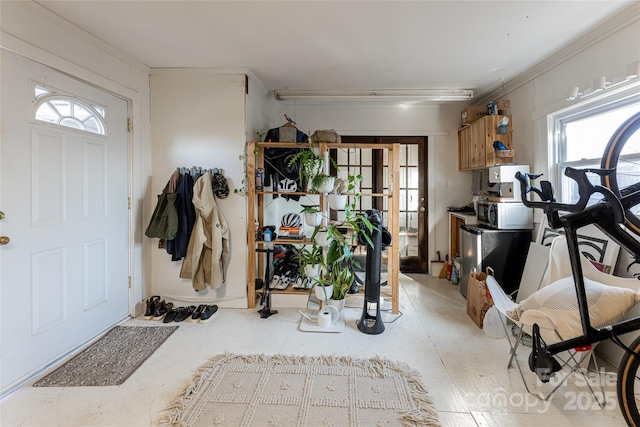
column 623, row 154
column 629, row 385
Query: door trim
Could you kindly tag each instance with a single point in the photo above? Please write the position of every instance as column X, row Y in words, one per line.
column 424, row 236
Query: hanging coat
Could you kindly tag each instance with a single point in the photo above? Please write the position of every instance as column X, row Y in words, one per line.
column 207, row 255
column 276, row 159
column 186, row 217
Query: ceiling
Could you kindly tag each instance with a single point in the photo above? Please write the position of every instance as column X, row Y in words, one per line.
column 344, row 45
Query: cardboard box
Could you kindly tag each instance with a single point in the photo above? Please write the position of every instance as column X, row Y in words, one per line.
column 503, row 104
column 473, row 113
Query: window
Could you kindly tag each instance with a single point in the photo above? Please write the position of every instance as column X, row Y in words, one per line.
column 581, row 137
column 64, row 110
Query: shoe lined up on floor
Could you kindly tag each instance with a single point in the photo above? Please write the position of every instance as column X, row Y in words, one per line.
column 157, row 309
column 150, row 309
column 178, row 314
column 207, row 312
column 200, row 314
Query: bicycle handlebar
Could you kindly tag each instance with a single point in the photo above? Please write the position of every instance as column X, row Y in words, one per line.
column 585, row 191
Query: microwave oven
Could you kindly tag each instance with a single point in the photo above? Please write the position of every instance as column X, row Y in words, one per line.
column 505, row 215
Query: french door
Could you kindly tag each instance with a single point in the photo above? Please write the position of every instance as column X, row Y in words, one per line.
column 372, row 165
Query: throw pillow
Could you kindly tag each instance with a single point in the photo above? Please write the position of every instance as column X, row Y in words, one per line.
column 607, row 305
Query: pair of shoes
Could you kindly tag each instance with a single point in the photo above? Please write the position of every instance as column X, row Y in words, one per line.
column 151, row 307
column 203, row 313
column 208, row 311
column 279, row 282
column 178, row 314
column 161, row 308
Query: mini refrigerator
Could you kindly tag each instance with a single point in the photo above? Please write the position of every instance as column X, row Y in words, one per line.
column 505, row 251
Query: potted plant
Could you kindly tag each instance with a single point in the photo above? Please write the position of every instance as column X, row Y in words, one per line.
column 341, row 279
column 323, row 289
column 312, row 215
column 338, row 260
column 313, row 269
column 342, row 188
column 310, row 165
column 307, row 162
column 322, row 183
column 310, row 260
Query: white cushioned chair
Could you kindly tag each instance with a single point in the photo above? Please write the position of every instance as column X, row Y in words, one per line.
column 554, row 307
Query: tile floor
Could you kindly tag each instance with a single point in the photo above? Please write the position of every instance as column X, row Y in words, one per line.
column 463, row 369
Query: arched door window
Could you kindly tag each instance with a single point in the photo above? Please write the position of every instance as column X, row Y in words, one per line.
column 68, row 111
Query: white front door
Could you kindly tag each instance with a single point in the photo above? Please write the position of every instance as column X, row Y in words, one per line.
column 64, row 195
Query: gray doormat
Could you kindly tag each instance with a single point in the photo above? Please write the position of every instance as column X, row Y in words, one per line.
column 111, row 359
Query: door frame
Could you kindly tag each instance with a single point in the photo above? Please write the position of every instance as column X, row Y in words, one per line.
column 424, row 243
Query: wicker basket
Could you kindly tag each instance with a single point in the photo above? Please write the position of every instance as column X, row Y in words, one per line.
column 505, row 154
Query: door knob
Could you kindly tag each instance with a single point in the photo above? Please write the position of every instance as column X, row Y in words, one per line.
column 2, row 215
column 421, row 208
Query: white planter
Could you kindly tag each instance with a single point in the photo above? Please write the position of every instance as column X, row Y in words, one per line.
column 321, row 238
column 313, row 219
column 337, row 303
column 327, row 185
column 323, row 293
column 338, row 201
column 312, row 270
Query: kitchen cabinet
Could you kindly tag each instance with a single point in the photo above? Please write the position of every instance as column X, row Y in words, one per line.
column 257, row 203
column 475, row 143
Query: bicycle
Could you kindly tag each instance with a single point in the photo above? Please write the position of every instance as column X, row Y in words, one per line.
column 617, row 214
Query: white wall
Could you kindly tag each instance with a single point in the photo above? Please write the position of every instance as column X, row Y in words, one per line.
column 446, row 186
column 34, row 32
column 199, row 120
column 261, row 109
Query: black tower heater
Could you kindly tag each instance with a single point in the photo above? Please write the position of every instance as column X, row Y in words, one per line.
column 370, row 322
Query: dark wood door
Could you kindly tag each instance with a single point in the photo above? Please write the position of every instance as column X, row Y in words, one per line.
column 413, row 190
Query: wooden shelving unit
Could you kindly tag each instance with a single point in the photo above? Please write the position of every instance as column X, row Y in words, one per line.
column 256, row 205
column 475, row 143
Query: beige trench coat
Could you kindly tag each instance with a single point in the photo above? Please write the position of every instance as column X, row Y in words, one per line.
column 208, row 250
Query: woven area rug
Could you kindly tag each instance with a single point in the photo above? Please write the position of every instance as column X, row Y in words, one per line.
column 259, row 390
column 111, row 359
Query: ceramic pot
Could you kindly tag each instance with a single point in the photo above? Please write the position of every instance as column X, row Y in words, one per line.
column 312, row 270
column 338, row 201
column 323, row 293
column 321, row 238
column 313, row 219
column 337, row 303
column 327, row 185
